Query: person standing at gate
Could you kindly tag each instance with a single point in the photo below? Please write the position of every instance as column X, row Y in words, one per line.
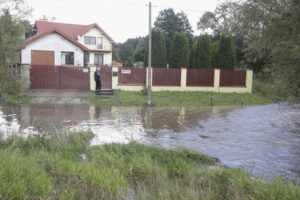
column 97, row 77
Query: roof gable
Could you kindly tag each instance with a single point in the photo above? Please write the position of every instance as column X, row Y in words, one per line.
column 41, row 35
column 70, row 30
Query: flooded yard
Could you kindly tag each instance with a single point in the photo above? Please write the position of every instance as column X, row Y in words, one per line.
column 265, row 140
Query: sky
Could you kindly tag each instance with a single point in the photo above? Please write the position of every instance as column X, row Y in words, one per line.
column 121, row 19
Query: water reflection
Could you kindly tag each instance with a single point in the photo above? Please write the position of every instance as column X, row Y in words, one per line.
column 263, row 139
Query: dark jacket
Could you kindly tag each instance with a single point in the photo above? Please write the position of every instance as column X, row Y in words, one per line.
column 97, row 76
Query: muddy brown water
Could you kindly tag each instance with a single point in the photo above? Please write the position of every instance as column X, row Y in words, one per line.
column 265, row 140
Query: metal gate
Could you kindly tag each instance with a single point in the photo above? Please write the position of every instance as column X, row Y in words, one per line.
column 106, row 79
column 66, row 77
column 59, row 77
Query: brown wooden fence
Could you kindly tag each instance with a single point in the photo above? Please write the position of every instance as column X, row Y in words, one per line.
column 132, row 76
column 58, row 77
column 200, row 77
column 233, row 78
column 166, row 77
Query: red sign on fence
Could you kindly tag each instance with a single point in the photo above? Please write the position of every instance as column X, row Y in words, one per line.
column 132, row 76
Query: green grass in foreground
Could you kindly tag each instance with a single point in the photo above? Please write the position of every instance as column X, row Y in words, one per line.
column 15, row 98
column 53, row 168
column 124, row 98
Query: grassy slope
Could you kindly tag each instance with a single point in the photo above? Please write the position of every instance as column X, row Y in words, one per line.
column 123, row 98
column 53, row 168
column 14, row 98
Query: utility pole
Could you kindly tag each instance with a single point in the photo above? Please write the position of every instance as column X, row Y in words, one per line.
column 149, row 57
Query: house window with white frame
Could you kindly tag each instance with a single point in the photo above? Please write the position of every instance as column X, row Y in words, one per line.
column 99, row 43
column 67, row 58
column 98, row 59
column 89, row 40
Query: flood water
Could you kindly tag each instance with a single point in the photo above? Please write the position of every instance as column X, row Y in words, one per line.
column 265, row 140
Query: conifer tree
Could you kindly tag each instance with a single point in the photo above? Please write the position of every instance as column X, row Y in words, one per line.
column 226, row 55
column 203, row 52
column 180, row 51
column 159, row 58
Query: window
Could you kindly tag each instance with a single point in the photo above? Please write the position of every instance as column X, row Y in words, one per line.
column 89, row 40
column 86, row 59
column 98, row 59
column 99, row 43
column 67, row 58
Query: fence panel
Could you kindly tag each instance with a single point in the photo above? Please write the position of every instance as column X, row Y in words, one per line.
column 235, row 78
column 166, row 77
column 200, row 77
column 132, row 76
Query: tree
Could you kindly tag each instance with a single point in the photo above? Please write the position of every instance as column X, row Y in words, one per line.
column 226, row 55
column 203, row 52
column 126, row 54
column 214, row 52
column 11, row 39
column 131, row 51
column 159, row 58
column 284, row 38
column 208, row 21
column 170, row 23
column 193, row 55
column 27, row 28
column 180, row 51
column 116, row 54
column 185, row 26
column 19, row 8
column 139, row 52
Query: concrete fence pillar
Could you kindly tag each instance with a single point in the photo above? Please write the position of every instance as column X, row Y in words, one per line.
column 92, row 81
column 217, row 80
column 115, row 79
column 249, row 80
column 183, row 78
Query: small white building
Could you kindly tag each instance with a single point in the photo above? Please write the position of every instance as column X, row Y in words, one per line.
column 67, row 44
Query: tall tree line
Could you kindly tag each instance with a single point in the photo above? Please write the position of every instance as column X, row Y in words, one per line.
column 193, row 52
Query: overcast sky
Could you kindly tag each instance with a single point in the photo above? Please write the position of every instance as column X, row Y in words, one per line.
column 121, row 19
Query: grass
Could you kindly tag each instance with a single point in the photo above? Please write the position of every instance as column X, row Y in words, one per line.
column 52, row 167
column 122, row 98
column 15, row 98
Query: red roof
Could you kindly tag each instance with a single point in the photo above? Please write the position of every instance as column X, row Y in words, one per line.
column 69, row 31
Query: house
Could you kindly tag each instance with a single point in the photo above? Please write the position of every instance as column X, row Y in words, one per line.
column 67, row 44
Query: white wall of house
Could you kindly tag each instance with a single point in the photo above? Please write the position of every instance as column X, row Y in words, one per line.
column 106, row 47
column 107, row 58
column 53, row 42
column 94, row 32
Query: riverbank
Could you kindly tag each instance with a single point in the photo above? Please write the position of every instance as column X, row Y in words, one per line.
column 66, row 167
column 125, row 98
column 122, row 98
